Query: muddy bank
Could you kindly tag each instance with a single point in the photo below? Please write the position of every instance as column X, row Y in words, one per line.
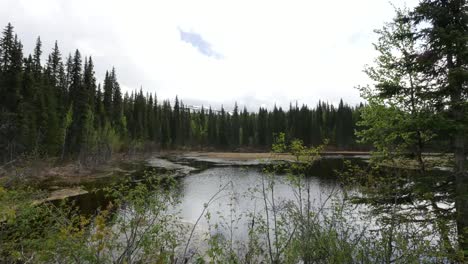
column 240, row 158
column 54, row 172
column 61, row 180
column 62, row 193
column 165, row 163
column 76, row 172
column 268, row 155
column 71, row 180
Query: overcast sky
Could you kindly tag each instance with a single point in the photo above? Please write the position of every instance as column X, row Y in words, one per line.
column 215, row 51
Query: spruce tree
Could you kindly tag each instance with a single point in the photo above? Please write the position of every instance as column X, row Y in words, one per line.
column 100, row 115
column 89, row 82
column 175, row 126
column 421, row 75
column 443, row 28
column 117, row 107
column 79, row 101
column 212, row 129
column 108, row 92
column 28, row 126
column 235, row 126
column 11, row 65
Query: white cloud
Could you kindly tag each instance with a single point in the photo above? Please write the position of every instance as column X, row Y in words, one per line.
column 273, row 51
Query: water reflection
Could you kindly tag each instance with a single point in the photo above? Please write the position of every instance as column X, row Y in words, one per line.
column 242, row 196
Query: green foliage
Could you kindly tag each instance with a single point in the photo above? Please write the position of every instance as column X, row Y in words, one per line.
column 415, row 106
column 135, row 227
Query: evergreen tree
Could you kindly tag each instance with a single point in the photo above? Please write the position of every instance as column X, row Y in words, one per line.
column 56, row 78
column 11, row 58
column 107, row 100
column 117, row 108
column 80, row 102
column 166, row 121
column 444, row 57
column 37, row 58
column 421, row 79
column 11, row 64
column 28, row 126
column 222, row 129
column 89, row 82
column 100, row 115
column 235, row 137
column 175, row 125
column 212, row 128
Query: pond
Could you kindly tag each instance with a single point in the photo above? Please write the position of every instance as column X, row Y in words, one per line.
column 241, row 184
column 226, row 198
column 200, row 179
column 241, row 195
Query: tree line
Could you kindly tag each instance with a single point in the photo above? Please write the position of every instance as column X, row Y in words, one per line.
column 59, row 109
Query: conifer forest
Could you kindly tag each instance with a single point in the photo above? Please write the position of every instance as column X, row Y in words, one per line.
column 59, row 109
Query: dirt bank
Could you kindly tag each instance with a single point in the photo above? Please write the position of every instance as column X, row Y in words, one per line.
column 61, row 194
column 239, row 156
column 52, row 172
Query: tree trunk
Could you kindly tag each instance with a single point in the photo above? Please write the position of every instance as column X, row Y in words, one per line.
column 461, row 202
column 461, row 176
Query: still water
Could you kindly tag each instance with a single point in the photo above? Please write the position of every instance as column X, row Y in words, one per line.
column 235, row 191
column 236, row 194
column 223, row 198
column 207, row 178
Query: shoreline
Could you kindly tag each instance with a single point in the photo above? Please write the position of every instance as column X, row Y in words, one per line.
column 72, row 178
column 73, row 172
column 252, row 156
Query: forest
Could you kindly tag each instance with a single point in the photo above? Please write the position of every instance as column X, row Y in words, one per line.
column 59, row 109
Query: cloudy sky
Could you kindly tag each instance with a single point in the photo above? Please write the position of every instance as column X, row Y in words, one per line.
column 255, row 52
